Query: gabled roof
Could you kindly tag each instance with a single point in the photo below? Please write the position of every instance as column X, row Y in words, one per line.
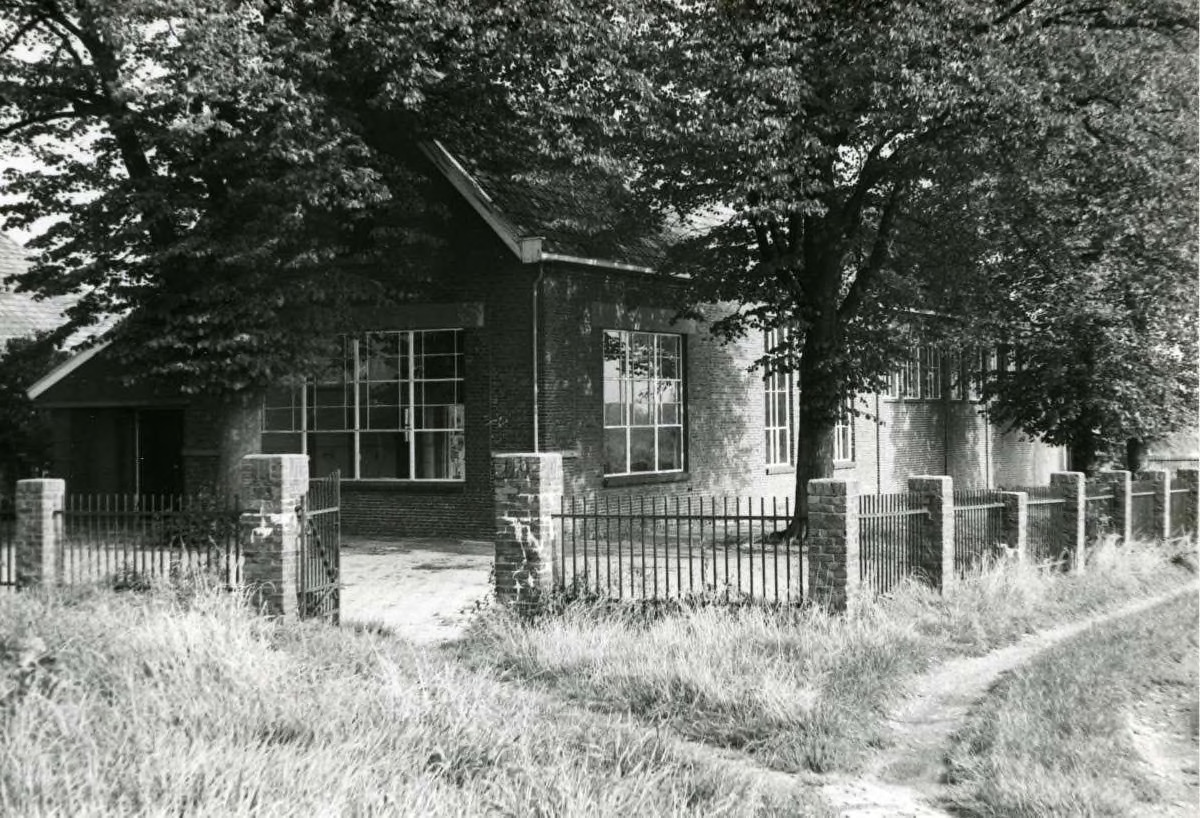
column 551, row 217
column 21, row 314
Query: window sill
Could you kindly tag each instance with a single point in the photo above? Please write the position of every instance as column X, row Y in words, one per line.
column 406, row 486
column 648, row 478
column 781, row 468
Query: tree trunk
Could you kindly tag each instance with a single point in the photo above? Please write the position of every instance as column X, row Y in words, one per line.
column 817, row 413
column 1135, row 455
column 1082, row 454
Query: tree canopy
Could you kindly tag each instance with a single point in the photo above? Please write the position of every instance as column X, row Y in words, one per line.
column 860, row 164
column 236, row 177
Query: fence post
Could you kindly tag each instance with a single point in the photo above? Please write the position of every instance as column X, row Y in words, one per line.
column 1016, row 522
column 1072, row 486
column 38, row 541
column 936, row 555
column 1118, row 481
column 833, row 572
column 528, row 488
column 1189, row 498
column 1162, row 501
column 271, row 487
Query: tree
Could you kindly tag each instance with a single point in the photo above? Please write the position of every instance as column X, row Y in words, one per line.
column 236, row 178
column 23, row 437
column 842, row 166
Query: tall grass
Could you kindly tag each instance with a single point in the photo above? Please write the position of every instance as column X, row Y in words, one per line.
column 1052, row 738
column 116, row 703
column 796, row 689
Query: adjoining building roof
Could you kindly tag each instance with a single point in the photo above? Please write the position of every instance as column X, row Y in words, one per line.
column 21, row 314
column 549, row 216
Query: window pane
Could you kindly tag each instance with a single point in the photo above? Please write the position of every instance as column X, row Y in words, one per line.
column 279, row 420
column 438, row 342
column 440, row 417
column 641, row 450
column 614, row 354
column 331, row 451
column 670, row 448
column 438, row 392
column 281, row 443
column 383, row 454
column 641, row 355
column 437, row 367
column 614, row 451
column 379, row 356
column 439, row 455
column 641, row 404
column 669, row 413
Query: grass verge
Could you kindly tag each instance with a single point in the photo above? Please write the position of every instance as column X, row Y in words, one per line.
column 122, row 703
column 1053, row 738
column 798, row 689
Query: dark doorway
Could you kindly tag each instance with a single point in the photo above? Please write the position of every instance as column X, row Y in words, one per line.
column 159, row 451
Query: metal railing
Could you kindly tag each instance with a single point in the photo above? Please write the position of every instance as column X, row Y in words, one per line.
column 1100, row 510
column 1183, row 524
column 129, row 540
column 1142, row 505
column 978, row 528
column 8, row 551
column 679, row 547
column 891, row 530
column 1046, row 524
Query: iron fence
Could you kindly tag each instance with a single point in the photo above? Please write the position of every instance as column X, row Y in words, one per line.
column 130, row 540
column 319, row 574
column 8, row 552
column 978, row 528
column 1142, row 509
column 679, row 547
column 891, row 530
column 1183, row 523
column 1046, row 524
column 1100, row 510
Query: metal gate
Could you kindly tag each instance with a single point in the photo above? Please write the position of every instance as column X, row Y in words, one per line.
column 320, row 550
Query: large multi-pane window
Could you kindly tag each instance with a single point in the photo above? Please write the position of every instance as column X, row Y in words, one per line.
column 391, row 406
column 778, row 401
column 643, row 402
column 919, row 376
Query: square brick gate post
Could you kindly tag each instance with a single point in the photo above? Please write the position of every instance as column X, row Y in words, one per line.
column 1016, row 523
column 1119, row 483
column 528, row 489
column 936, row 556
column 1072, row 486
column 271, row 488
column 38, row 542
column 833, row 572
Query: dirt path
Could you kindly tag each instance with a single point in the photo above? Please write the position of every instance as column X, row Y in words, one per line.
column 904, row 778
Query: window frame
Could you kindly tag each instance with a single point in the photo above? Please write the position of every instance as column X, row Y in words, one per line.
column 410, row 384
column 625, row 385
column 774, row 385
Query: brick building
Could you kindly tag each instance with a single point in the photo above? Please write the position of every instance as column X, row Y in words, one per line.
column 546, row 340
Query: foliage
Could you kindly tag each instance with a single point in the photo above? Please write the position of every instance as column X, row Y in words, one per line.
column 23, row 435
column 839, row 168
column 238, row 177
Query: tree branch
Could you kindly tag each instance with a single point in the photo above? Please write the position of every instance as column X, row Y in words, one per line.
column 880, row 249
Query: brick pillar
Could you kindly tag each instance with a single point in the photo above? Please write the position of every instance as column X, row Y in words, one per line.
column 528, row 489
column 1189, row 481
column 270, row 488
column 833, row 572
column 1118, row 481
column 936, row 557
column 38, row 544
column 1162, row 501
column 1072, row 486
column 1016, row 522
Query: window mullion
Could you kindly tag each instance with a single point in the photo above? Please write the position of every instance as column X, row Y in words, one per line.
column 354, row 381
column 410, row 412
